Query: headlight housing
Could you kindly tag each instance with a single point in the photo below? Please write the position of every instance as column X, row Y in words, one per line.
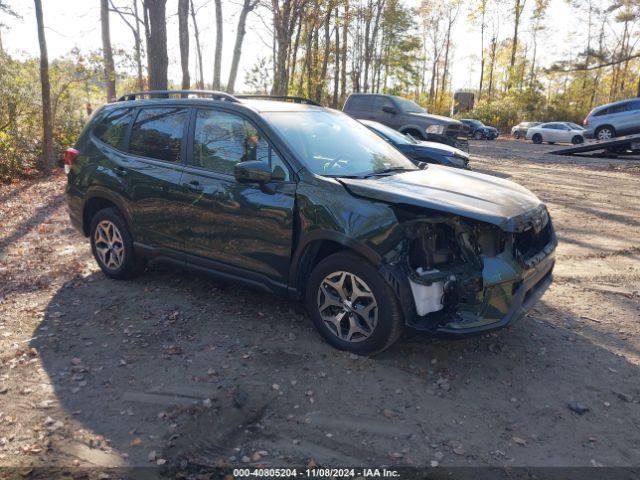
column 435, row 129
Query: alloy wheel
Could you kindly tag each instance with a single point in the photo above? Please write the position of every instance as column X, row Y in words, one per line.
column 347, row 306
column 109, row 244
column 605, row 134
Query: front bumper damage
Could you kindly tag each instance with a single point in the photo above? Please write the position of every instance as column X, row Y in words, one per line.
column 466, row 295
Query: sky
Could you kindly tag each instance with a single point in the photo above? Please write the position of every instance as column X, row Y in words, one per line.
column 76, row 23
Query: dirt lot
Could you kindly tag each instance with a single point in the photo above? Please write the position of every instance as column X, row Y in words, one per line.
column 177, row 367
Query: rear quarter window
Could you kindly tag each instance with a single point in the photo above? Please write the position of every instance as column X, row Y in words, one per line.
column 112, row 127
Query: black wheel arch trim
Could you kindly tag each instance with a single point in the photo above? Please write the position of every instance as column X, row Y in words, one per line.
column 306, row 246
column 98, row 192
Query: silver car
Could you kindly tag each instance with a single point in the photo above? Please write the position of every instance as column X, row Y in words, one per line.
column 613, row 120
column 553, row 132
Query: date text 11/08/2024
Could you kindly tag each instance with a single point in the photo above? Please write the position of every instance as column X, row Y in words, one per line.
column 314, row 472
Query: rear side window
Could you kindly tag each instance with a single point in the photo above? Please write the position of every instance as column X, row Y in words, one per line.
column 623, row 107
column 359, row 102
column 113, row 127
column 634, row 105
column 599, row 113
column 157, row 133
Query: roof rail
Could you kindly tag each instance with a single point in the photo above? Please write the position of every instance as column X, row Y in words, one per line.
column 215, row 95
column 284, row 98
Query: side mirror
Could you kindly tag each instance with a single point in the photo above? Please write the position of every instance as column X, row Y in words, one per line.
column 388, row 109
column 253, row 171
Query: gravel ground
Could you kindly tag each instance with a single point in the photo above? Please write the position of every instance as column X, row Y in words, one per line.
column 175, row 367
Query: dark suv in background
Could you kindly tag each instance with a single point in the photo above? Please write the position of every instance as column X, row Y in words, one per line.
column 306, row 202
column 407, row 117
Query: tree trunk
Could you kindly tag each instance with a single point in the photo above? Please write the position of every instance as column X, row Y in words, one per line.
column 482, row 27
column 107, row 53
column 325, row 58
column 517, row 12
column 46, row 161
column 157, row 49
column 247, row 6
column 343, row 59
column 494, row 45
column 196, row 34
column 217, row 58
column 336, row 73
column 138, row 46
column 183, row 35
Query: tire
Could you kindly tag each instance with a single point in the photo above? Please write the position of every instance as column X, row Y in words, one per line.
column 517, row 135
column 577, row 140
column 477, row 135
column 551, row 143
column 605, row 132
column 385, row 321
column 109, row 231
column 537, row 138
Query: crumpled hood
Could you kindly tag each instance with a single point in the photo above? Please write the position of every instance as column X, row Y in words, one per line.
column 436, row 119
column 459, row 192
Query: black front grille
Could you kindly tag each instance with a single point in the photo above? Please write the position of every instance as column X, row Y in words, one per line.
column 530, row 242
column 452, row 131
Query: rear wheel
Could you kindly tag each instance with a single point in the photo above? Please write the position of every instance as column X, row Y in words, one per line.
column 605, row 132
column 352, row 306
column 537, row 138
column 112, row 245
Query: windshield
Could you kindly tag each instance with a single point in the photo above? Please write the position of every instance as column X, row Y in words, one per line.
column 391, row 134
column 333, row 144
column 575, row 126
column 408, row 106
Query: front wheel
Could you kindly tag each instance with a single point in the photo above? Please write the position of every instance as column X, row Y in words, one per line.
column 112, row 245
column 577, row 140
column 517, row 135
column 477, row 135
column 352, row 306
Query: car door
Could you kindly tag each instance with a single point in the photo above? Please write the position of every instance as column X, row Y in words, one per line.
column 382, row 107
column 155, row 156
column 563, row 133
column 237, row 228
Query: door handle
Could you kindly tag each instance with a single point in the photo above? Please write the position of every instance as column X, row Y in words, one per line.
column 194, row 185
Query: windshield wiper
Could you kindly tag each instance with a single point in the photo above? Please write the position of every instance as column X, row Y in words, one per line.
column 389, row 170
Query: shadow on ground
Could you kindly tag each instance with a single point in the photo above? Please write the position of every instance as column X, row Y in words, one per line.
column 177, row 367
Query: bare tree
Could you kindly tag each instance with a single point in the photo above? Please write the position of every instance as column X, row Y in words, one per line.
column 217, row 58
column 107, row 53
column 247, row 7
column 157, row 46
column 46, row 161
column 286, row 15
column 183, row 34
column 518, row 7
column 196, row 34
column 123, row 13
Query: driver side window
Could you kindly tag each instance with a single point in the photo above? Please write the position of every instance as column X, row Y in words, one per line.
column 223, row 139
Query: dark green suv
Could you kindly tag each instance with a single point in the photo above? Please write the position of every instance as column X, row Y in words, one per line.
column 303, row 201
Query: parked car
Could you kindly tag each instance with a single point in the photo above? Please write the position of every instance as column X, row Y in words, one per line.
column 420, row 151
column 479, row 130
column 407, row 116
column 303, row 201
column 613, row 120
column 520, row 131
column 553, row 132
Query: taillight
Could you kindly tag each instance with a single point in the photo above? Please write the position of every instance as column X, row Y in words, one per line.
column 585, row 122
column 70, row 156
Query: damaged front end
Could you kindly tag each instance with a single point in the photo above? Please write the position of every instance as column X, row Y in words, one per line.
column 461, row 276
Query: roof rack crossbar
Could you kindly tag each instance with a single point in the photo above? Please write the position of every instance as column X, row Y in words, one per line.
column 286, row 98
column 215, row 95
